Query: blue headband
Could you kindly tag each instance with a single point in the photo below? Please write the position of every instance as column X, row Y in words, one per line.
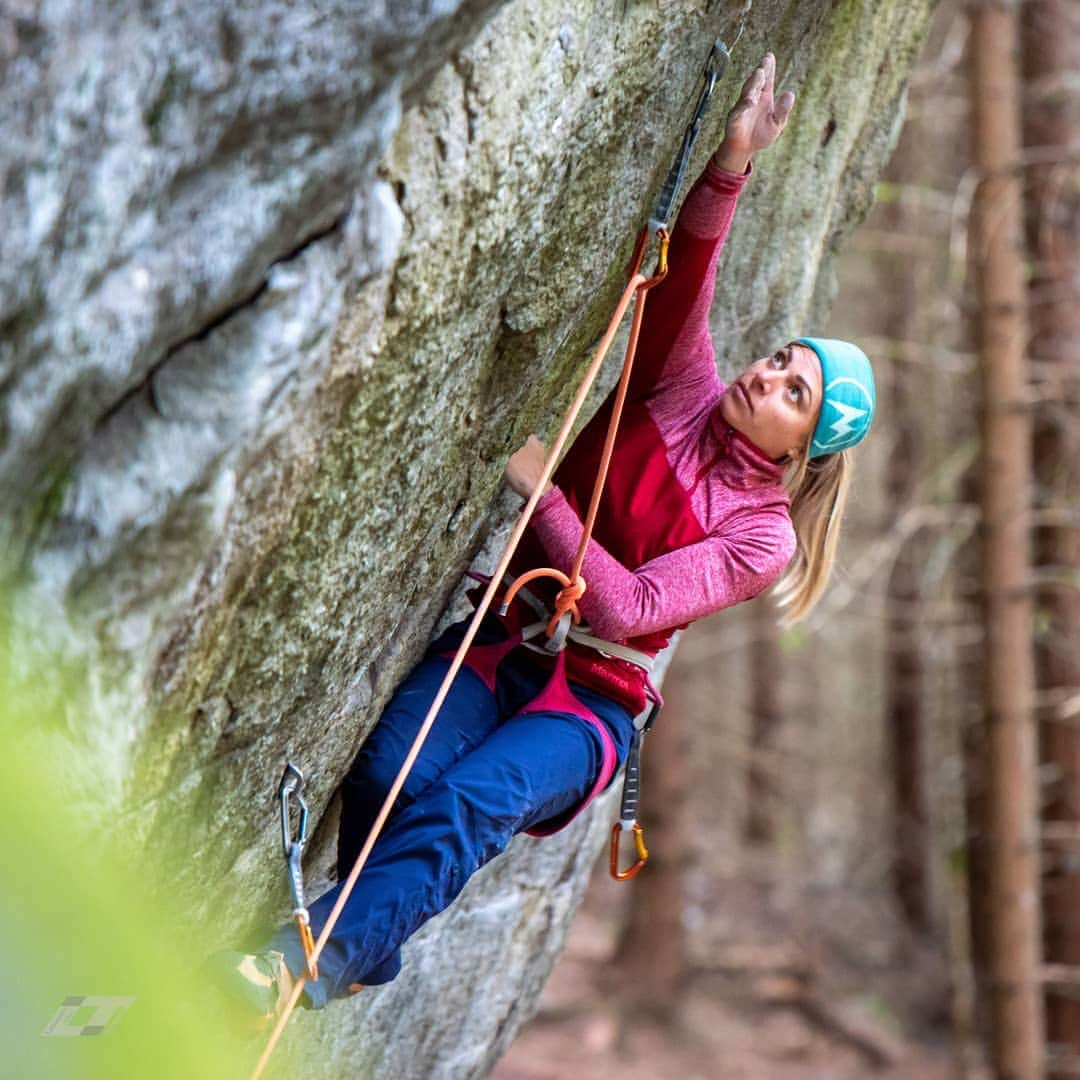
column 848, row 400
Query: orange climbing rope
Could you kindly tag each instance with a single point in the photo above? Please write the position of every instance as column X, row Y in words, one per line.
column 636, row 289
column 572, row 590
column 638, row 286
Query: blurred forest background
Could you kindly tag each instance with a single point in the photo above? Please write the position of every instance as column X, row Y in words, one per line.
column 866, row 831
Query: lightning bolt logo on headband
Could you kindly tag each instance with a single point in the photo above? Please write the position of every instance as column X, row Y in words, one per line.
column 850, row 415
column 848, row 400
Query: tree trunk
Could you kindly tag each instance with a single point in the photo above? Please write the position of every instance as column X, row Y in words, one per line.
column 1051, row 55
column 1014, row 864
column 760, row 825
column 904, row 719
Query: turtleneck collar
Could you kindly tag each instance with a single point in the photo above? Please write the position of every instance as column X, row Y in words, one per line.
column 741, row 462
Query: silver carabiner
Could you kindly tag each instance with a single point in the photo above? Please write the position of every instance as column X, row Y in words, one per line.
column 292, row 784
column 557, row 642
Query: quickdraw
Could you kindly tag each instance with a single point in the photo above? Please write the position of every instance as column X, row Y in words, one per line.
column 715, row 66
column 628, row 807
column 292, row 784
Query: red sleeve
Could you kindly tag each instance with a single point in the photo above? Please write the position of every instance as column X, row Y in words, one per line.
column 675, row 344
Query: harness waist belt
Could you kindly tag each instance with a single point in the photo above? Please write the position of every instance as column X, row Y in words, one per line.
column 609, row 649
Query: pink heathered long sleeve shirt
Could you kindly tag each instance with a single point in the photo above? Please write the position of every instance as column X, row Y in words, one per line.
column 694, row 518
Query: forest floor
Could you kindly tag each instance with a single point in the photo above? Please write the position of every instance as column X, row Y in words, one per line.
column 827, row 987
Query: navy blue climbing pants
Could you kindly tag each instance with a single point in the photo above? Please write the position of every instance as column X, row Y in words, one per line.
column 483, row 775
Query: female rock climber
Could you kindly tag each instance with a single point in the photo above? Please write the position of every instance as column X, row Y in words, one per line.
column 714, row 492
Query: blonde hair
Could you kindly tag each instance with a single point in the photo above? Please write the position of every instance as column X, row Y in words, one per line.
column 818, row 489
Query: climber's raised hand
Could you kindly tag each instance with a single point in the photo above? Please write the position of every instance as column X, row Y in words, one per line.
column 756, row 119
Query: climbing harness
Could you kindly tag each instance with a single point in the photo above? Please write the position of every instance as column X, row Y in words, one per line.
column 565, row 620
column 292, row 784
column 578, row 633
column 628, row 804
column 631, row 791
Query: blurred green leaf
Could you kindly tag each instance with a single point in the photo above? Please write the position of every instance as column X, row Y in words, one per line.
column 77, row 923
column 886, row 192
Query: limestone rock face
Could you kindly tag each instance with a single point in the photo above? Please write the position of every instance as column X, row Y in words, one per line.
column 282, row 286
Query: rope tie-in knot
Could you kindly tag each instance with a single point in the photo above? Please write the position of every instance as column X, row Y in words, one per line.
column 573, row 588
column 566, row 601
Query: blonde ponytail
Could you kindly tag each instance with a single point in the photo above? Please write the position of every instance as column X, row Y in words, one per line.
column 818, row 490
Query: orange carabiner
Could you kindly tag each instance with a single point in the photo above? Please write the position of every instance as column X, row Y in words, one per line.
column 307, row 943
column 663, row 240
column 639, row 845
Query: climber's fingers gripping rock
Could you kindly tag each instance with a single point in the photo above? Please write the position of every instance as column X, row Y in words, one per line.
column 525, row 467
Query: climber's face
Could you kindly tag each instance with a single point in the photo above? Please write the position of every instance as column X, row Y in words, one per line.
column 776, row 401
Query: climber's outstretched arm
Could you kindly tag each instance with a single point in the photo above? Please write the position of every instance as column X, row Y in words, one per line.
column 675, row 345
column 675, row 341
